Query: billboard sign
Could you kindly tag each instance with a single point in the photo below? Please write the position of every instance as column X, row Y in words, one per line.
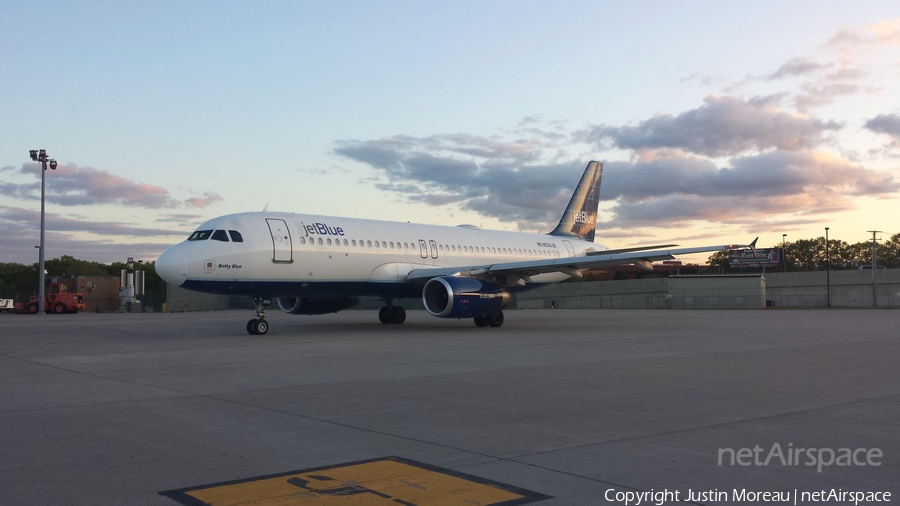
column 762, row 257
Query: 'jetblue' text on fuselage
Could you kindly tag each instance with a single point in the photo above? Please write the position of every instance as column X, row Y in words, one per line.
column 322, row 229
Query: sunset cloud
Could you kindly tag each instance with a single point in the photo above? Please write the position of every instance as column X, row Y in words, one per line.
column 71, row 185
column 882, row 32
column 105, row 241
column 885, row 124
column 723, row 125
column 775, row 165
column 796, row 67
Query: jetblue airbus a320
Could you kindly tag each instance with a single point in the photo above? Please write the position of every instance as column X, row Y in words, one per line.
column 313, row 264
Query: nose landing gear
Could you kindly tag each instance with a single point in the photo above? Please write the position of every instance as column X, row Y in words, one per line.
column 259, row 326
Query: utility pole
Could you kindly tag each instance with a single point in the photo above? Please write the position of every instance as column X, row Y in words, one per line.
column 874, row 265
column 828, row 268
column 783, row 255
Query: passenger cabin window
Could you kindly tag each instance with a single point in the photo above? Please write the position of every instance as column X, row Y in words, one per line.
column 200, row 235
column 236, row 236
column 219, row 235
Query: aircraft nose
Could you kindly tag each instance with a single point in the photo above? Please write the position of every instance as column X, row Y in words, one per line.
column 172, row 265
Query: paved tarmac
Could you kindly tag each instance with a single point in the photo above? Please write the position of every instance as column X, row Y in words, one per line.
column 114, row 408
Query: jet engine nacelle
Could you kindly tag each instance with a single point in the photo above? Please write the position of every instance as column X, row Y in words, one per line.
column 453, row 297
column 315, row 305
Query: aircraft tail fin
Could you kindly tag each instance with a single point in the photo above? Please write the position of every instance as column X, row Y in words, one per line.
column 580, row 218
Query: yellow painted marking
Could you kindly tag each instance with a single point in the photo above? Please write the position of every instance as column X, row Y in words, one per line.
column 376, row 483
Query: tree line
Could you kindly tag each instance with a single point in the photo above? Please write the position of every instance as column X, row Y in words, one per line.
column 20, row 281
column 810, row 254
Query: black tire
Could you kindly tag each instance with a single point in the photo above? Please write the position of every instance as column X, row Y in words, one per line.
column 481, row 321
column 261, row 327
column 495, row 319
column 384, row 315
column 398, row 315
column 33, row 308
column 250, row 327
column 60, row 308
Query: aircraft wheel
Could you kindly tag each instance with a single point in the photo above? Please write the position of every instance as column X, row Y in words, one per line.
column 250, row 325
column 33, row 308
column 398, row 315
column 261, row 327
column 495, row 319
column 481, row 321
column 384, row 315
column 59, row 308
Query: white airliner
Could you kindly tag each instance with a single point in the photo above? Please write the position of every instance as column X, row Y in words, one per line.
column 313, row 264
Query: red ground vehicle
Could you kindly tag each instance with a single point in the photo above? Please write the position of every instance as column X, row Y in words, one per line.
column 58, row 300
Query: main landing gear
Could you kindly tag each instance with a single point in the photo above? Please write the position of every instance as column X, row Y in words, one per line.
column 494, row 319
column 259, row 326
column 391, row 314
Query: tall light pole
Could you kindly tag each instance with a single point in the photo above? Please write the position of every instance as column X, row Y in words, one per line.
column 874, row 265
column 40, row 155
column 783, row 255
column 828, row 267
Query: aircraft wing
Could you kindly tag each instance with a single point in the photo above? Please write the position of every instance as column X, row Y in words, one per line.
column 571, row 266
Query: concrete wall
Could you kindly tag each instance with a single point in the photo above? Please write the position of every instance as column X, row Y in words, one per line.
column 618, row 294
column 848, row 288
column 179, row 299
column 792, row 289
column 741, row 291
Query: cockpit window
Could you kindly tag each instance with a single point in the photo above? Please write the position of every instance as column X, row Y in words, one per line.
column 200, row 235
column 236, row 236
column 219, row 235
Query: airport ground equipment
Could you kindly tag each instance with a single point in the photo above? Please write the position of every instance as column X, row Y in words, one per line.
column 57, row 301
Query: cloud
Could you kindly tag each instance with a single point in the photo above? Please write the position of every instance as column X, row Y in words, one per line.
column 777, row 173
column 112, row 241
column 27, row 219
column 815, row 96
column 796, row 67
column 682, row 187
column 664, row 184
column 204, row 201
column 71, row 185
column 882, row 32
column 488, row 175
column 885, row 124
column 774, row 167
column 183, row 220
column 723, row 125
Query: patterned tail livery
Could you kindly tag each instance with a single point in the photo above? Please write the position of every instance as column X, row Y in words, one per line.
column 580, row 218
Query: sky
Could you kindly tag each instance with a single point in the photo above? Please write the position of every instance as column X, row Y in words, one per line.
column 717, row 122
